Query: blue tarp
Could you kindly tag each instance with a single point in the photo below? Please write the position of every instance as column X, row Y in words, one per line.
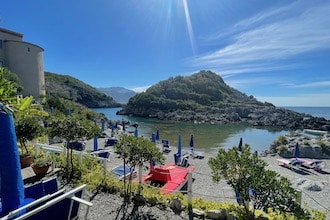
column 12, row 187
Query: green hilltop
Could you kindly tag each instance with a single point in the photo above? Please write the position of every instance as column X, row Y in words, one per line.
column 205, row 98
column 198, row 92
column 67, row 87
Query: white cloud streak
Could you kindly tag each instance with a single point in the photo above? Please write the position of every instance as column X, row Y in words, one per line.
column 263, row 42
column 315, row 99
column 310, row 85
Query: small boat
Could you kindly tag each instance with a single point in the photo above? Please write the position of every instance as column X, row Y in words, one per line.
column 314, row 132
column 170, row 177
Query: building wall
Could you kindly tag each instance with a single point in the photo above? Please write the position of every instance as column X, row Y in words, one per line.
column 24, row 59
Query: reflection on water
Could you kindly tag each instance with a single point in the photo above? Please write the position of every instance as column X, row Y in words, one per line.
column 208, row 137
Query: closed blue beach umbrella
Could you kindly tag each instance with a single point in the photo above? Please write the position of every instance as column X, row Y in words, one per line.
column 240, row 145
column 177, row 156
column 179, row 146
column 153, row 137
column 238, row 198
column 95, row 143
column 102, row 124
column 296, row 151
column 191, row 144
column 157, row 135
column 123, row 124
column 112, row 127
column 136, row 132
column 11, row 187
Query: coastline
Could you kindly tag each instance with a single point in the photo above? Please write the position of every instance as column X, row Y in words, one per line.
column 315, row 187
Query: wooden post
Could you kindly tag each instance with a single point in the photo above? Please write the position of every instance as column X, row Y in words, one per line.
column 104, row 167
column 80, row 157
column 298, row 196
column 190, row 192
column 140, row 178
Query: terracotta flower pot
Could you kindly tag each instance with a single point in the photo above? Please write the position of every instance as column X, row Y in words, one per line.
column 40, row 170
column 26, row 160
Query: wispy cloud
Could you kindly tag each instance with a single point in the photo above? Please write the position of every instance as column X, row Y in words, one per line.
column 309, row 85
column 314, row 99
column 264, row 42
column 240, row 83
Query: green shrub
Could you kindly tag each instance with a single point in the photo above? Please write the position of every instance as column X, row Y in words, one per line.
column 282, row 148
column 324, row 147
column 281, row 140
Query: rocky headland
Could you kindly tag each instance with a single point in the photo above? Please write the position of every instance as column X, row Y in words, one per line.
column 205, row 98
column 266, row 115
column 310, row 145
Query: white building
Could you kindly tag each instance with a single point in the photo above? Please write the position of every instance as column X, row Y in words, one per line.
column 24, row 59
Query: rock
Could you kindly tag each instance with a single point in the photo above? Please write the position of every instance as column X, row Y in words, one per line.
column 301, row 181
column 139, row 200
column 198, row 213
column 176, row 206
column 313, row 186
column 216, row 214
column 230, row 216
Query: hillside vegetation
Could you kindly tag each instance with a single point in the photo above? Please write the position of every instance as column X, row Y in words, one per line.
column 205, row 98
column 67, row 87
column 199, row 92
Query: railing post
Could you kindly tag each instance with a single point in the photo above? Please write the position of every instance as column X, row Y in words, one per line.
column 80, row 157
column 298, row 196
column 36, row 153
column 190, row 192
column 104, row 167
column 140, row 178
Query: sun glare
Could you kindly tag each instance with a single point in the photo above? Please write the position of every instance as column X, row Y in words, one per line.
column 189, row 26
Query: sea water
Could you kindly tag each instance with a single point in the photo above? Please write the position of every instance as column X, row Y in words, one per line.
column 209, row 137
column 323, row 112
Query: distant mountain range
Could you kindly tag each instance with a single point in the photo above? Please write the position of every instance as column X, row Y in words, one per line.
column 119, row 94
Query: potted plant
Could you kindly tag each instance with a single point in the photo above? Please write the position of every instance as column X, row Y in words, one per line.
column 41, row 165
column 27, row 129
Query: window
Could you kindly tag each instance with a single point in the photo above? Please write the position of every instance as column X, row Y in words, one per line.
column 1, row 63
column 28, row 49
column 0, row 43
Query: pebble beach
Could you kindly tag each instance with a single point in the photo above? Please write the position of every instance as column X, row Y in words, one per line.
column 315, row 188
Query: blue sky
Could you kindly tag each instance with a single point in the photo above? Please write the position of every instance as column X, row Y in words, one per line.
column 277, row 51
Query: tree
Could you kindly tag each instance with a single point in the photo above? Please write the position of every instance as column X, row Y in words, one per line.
column 73, row 128
column 245, row 172
column 136, row 151
column 26, row 113
column 27, row 129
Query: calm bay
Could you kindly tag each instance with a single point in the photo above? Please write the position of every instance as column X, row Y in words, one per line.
column 209, row 137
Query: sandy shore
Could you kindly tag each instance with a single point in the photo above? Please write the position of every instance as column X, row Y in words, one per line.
column 315, row 186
